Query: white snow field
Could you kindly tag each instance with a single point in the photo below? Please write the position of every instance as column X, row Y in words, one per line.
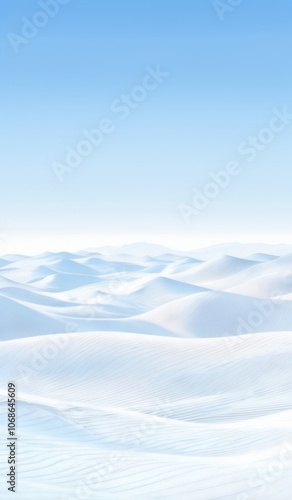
column 163, row 376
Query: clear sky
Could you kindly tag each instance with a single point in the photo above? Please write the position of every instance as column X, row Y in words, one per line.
column 225, row 79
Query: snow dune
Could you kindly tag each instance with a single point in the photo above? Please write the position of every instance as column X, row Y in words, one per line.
column 146, row 377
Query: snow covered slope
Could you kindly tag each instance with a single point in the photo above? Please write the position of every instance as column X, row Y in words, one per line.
column 148, row 377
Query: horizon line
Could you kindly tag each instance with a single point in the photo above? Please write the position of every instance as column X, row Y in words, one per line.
column 36, row 243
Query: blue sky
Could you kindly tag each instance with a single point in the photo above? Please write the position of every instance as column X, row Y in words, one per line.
column 224, row 80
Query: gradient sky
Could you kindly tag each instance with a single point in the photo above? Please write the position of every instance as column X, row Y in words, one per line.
column 225, row 79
